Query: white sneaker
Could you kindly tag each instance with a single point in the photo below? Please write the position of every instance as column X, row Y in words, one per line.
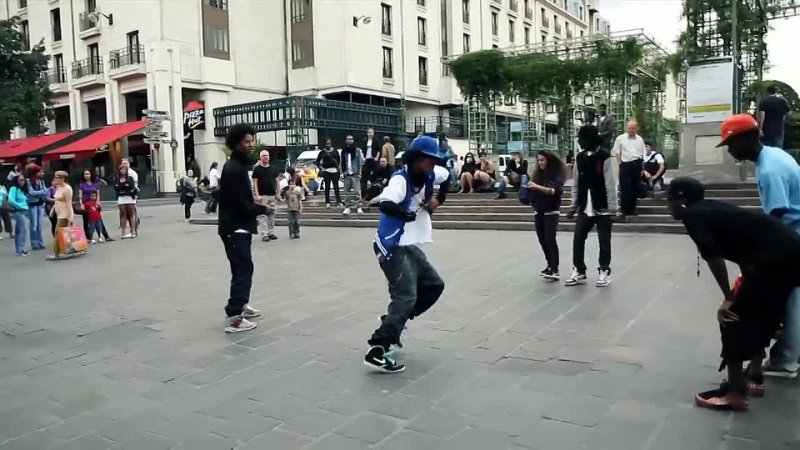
column 346, row 211
column 575, row 279
column 127, row 236
column 236, row 324
column 250, row 313
column 360, row 211
column 603, row 278
column 101, row 240
column 93, row 241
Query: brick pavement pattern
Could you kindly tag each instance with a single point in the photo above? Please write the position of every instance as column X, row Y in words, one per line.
column 124, row 349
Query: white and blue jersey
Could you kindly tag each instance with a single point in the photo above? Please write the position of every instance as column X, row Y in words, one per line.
column 392, row 231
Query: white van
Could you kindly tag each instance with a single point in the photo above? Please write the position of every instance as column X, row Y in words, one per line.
column 309, row 158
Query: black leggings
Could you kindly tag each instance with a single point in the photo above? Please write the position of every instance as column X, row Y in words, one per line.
column 546, row 227
column 331, row 179
column 187, row 207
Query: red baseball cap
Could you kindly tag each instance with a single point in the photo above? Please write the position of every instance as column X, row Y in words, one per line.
column 734, row 125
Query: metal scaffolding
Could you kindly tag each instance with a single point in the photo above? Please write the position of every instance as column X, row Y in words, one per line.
column 482, row 120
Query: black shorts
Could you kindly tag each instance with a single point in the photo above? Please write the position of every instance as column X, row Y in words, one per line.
column 760, row 304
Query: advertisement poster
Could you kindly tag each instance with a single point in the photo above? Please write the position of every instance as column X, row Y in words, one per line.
column 709, row 92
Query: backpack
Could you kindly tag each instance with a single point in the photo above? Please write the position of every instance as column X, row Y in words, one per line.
column 390, row 229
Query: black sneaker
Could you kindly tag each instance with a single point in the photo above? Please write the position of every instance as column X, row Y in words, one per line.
column 378, row 358
column 551, row 274
column 545, row 271
column 272, row 237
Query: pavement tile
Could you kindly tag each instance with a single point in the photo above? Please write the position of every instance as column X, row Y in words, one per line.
column 438, row 423
column 315, row 423
column 402, row 406
column 338, row 442
column 277, row 439
column 87, row 442
column 405, row 440
column 578, row 410
column 368, row 427
column 244, row 426
column 146, row 441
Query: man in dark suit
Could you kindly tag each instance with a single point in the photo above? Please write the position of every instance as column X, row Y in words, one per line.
column 605, row 126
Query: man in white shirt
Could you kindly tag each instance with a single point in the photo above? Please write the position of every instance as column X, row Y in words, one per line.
column 629, row 151
column 213, row 184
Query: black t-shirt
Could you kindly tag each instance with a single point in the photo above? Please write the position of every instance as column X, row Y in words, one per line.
column 747, row 238
column 775, row 108
column 520, row 168
column 265, row 177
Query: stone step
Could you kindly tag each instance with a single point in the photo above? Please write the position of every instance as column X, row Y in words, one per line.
column 442, row 215
column 467, row 200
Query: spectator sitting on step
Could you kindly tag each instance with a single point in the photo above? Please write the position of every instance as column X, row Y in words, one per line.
column 653, row 168
column 379, row 178
column 466, row 176
column 516, row 174
column 485, row 175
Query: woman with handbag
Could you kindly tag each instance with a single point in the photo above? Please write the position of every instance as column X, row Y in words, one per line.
column 63, row 207
column 36, row 190
column 5, row 213
column 18, row 202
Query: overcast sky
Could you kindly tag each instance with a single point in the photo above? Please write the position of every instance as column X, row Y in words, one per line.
column 661, row 19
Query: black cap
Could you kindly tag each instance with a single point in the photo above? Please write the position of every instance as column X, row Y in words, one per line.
column 685, row 188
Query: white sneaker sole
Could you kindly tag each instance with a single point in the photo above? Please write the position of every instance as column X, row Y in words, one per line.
column 602, row 284
column 382, row 370
column 551, row 277
column 231, row 330
column 574, row 282
column 788, row 375
column 249, row 316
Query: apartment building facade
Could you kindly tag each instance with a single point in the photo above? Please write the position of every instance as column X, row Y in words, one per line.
column 111, row 59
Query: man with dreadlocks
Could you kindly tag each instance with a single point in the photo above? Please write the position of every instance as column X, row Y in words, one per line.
column 768, row 254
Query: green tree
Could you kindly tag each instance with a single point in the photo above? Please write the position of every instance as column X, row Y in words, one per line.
column 25, row 99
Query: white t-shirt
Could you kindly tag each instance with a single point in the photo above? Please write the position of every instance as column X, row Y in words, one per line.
column 213, row 178
column 370, row 144
column 631, row 148
column 132, row 173
column 419, row 231
column 654, row 157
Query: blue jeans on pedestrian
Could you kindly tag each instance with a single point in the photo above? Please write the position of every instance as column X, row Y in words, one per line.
column 523, row 182
column 786, row 351
column 35, row 216
column 20, row 230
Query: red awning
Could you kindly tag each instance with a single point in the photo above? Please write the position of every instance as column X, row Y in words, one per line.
column 88, row 145
column 19, row 147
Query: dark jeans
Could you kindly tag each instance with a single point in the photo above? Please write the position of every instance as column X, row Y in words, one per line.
column 95, row 228
column 5, row 215
column 546, row 227
column 583, row 226
column 294, row 223
column 629, row 174
column 85, row 218
column 331, row 179
column 211, row 206
column 414, row 286
column 237, row 249
column 187, row 206
column 370, row 165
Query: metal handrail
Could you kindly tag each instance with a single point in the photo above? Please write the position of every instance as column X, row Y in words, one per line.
column 127, row 56
column 87, row 67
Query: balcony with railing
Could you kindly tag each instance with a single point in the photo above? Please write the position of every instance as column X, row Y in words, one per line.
column 86, row 26
column 128, row 59
column 87, row 71
column 557, row 28
column 55, row 76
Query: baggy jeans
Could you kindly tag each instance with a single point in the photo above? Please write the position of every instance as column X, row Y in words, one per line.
column 352, row 191
column 239, row 252
column 583, row 225
column 414, row 286
column 35, row 217
column 266, row 222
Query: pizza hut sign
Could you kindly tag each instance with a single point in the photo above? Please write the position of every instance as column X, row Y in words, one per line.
column 194, row 116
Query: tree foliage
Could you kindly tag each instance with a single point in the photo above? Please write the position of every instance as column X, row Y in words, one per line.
column 25, row 98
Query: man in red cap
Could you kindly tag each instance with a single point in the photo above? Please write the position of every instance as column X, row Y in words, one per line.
column 778, row 180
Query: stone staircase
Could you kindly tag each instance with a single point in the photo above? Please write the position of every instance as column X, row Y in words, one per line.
column 483, row 212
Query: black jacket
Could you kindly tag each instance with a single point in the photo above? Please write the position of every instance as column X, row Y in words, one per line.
column 237, row 209
column 125, row 188
column 595, row 172
column 377, row 145
column 329, row 160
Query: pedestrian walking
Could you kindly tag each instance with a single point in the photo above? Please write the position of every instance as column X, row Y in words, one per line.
column 266, row 190
column 547, row 187
column 188, row 193
column 329, row 160
column 294, row 207
column 213, row 184
column 63, row 209
column 768, row 253
column 352, row 161
column 772, row 113
column 18, row 204
column 406, row 207
column 778, row 181
column 237, row 225
column 594, row 201
column 629, row 151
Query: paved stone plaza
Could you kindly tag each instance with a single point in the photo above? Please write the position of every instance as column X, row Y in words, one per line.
column 124, row 349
